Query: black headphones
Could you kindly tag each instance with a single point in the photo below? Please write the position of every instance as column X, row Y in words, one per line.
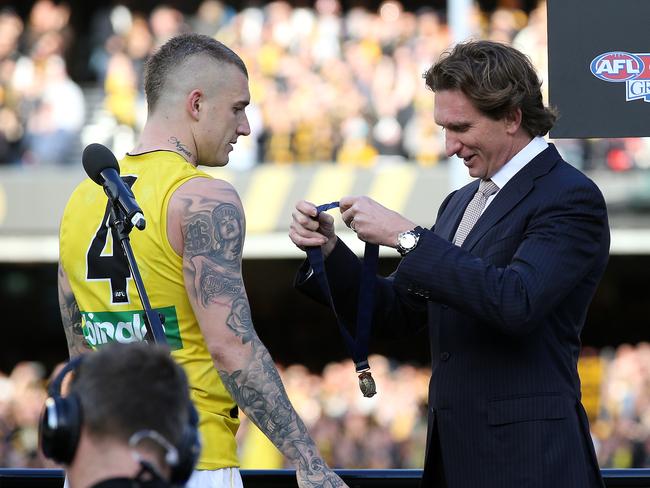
column 62, row 417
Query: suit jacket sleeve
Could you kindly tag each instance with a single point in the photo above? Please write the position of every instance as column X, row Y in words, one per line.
column 394, row 309
column 560, row 243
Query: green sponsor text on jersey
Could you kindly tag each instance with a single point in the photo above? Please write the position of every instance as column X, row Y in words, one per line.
column 100, row 328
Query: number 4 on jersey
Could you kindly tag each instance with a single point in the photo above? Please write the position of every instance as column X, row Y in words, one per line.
column 111, row 265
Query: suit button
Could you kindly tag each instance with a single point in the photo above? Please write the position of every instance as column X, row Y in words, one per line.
column 444, row 356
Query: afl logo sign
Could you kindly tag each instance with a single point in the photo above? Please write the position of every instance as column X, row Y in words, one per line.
column 632, row 69
column 617, row 66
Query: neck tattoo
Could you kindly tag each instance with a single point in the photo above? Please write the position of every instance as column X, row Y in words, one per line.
column 181, row 147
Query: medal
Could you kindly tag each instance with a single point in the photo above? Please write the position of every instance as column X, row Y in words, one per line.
column 367, row 384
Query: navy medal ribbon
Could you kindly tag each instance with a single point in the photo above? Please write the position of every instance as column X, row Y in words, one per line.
column 357, row 347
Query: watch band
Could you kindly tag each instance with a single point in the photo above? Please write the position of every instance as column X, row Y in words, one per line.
column 415, row 232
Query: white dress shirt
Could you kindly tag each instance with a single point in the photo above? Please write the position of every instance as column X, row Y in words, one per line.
column 512, row 167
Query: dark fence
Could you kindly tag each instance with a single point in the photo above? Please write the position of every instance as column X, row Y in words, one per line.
column 285, row 478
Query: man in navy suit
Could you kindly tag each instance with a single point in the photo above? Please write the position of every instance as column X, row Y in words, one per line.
column 503, row 281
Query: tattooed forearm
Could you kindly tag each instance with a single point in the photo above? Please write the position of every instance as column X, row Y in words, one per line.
column 182, row 148
column 259, row 392
column 71, row 318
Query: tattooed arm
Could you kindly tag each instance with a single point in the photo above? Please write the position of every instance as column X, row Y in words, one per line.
column 210, row 221
column 71, row 317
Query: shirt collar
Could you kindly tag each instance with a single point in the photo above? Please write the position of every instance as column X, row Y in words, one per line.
column 521, row 159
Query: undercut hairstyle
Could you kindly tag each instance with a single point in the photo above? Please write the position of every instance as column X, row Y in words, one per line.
column 125, row 388
column 162, row 64
column 497, row 79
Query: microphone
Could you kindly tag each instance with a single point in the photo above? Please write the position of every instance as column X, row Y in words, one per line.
column 101, row 167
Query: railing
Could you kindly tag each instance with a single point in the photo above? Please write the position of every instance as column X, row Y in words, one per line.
column 285, row 478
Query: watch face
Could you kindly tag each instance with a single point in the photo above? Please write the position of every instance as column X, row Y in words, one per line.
column 407, row 240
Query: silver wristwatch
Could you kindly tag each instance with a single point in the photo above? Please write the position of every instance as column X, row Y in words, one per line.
column 407, row 241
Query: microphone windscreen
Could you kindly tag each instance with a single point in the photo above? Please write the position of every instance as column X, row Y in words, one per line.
column 95, row 159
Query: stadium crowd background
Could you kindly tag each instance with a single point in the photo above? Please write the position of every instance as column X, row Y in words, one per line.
column 301, row 62
column 328, row 86
column 386, row 431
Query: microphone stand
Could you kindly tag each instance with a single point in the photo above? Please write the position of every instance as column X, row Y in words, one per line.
column 122, row 227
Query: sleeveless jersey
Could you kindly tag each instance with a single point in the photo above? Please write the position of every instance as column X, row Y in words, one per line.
column 109, row 301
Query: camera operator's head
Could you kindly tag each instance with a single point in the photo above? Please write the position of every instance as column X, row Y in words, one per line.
column 127, row 414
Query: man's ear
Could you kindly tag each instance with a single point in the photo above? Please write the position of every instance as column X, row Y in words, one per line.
column 193, row 103
column 513, row 120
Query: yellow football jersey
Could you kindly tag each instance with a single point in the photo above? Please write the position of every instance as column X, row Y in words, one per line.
column 109, row 301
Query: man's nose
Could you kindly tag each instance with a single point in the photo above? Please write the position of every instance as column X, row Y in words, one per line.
column 452, row 144
column 244, row 128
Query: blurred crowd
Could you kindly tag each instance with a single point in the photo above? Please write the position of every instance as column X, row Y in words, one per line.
column 327, row 84
column 42, row 111
column 386, row 431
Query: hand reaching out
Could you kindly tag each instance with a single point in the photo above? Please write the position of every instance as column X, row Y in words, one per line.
column 372, row 221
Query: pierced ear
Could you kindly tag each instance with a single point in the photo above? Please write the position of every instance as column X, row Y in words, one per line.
column 193, row 103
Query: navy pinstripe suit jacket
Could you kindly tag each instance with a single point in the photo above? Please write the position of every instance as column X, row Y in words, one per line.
column 504, row 313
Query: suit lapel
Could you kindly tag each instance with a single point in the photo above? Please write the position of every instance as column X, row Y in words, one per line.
column 450, row 219
column 511, row 194
column 501, row 205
